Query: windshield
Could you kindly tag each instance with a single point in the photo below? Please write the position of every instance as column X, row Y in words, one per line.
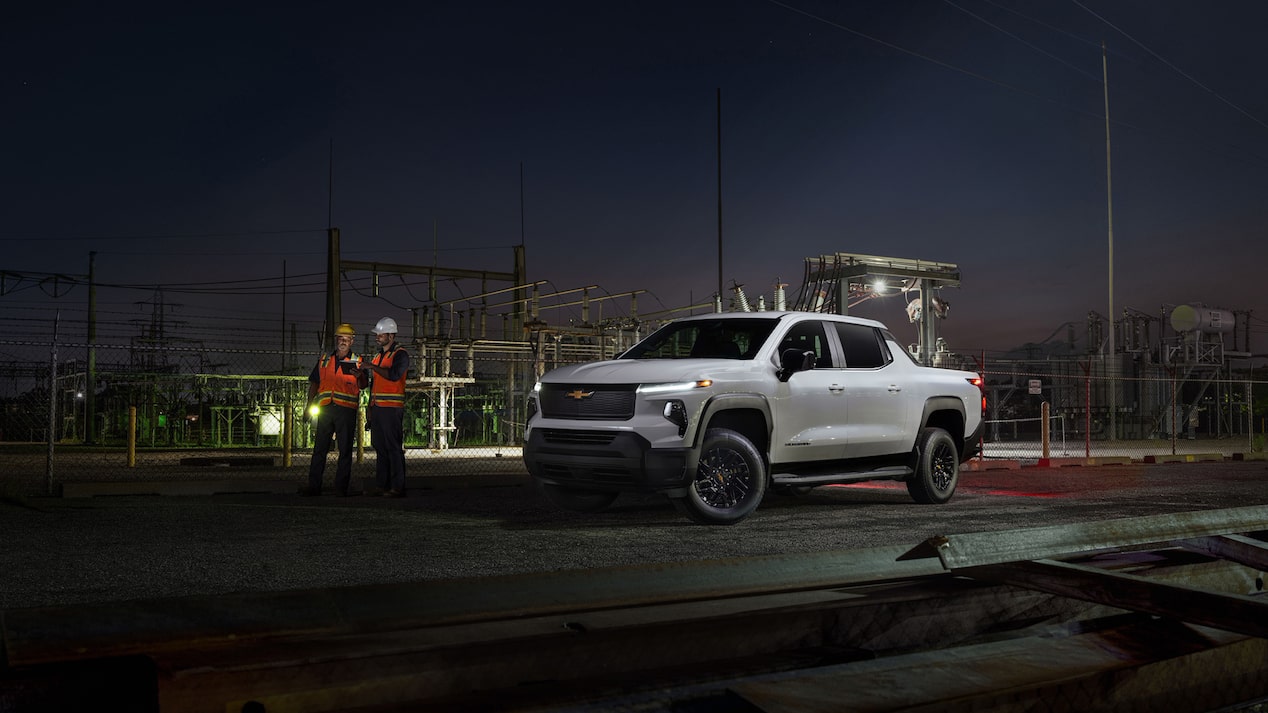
column 705, row 339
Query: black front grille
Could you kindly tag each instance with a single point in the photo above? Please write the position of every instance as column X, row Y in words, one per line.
column 566, row 473
column 582, row 401
column 560, row 437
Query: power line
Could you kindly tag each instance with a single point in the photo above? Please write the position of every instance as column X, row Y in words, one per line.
column 1176, row 69
column 1044, row 52
column 1241, row 153
column 159, row 236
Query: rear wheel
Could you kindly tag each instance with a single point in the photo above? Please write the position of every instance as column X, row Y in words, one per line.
column 578, row 500
column 937, row 467
column 730, row 480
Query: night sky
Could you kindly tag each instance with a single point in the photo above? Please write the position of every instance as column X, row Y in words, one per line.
column 205, row 148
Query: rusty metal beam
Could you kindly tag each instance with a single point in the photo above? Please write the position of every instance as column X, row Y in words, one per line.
column 1229, row 612
column 1236, row 548
column 1141, row 666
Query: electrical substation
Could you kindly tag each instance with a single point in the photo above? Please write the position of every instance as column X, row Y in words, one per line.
column 475, row 357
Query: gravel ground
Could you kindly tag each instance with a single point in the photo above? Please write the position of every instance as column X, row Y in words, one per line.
column 79, row 550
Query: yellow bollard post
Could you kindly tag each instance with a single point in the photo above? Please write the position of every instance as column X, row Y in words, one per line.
column 360, row 435
column 287, row 418
column 132, row 436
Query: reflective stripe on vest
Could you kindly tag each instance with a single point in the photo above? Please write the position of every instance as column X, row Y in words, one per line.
column 335, row 385
column 384, row 391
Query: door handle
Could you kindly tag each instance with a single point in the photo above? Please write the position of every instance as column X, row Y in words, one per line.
column 836, row 387
column 895, row 388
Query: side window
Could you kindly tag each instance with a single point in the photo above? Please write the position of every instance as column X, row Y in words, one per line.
column 862, row 346
column 809, row 336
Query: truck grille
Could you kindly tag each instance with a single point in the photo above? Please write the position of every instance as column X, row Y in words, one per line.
column 559, row 437
column 581, row 401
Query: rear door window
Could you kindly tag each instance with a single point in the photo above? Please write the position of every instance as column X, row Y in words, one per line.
column 862, row 346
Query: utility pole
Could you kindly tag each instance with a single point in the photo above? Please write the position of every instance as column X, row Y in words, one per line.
column 1111, row 358
column 90, row 392
column 282, row 331
column 719, row 112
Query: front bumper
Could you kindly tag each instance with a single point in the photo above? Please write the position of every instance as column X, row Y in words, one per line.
column 620, row 461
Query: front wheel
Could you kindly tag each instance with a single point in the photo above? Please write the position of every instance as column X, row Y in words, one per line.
column 730, row 480
column 578, row 500
column 937, row 468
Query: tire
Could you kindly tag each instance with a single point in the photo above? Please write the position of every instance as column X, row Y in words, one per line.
column 578, row 500
column 730, row 480
column 937, row 468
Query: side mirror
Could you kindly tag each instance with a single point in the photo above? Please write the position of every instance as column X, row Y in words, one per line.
column 793, row 361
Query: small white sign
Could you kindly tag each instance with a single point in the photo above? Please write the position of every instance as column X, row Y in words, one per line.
column 1036, row 386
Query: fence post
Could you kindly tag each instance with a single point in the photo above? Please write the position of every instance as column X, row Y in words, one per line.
column 1250, row 419
column 1174, row 425
column 1045, row 431
column 1087, row 415
column 132, row 436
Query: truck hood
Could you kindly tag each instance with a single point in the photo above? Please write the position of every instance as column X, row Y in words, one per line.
column 644, row 371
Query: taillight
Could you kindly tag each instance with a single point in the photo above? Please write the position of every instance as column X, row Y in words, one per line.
column 980, row 383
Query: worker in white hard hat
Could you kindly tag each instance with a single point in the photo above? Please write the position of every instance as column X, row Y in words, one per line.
column 388, row 370
column 334, row 396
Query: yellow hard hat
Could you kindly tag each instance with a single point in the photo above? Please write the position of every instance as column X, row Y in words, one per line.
column 345, row 329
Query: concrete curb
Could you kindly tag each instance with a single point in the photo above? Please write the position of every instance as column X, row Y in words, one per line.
column 1073, row 462
column 981, row 466
column 1250, row 456
column 89, row 489
column 1184, row 458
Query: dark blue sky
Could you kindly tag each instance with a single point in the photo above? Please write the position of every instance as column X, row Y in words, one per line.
column 192, row 144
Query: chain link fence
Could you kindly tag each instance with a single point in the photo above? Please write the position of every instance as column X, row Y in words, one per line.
column 79, row 413
column 1034, row 414
column 112, row 413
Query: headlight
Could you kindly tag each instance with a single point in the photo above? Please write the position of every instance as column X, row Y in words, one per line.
column 676, row 386
column 531, row 406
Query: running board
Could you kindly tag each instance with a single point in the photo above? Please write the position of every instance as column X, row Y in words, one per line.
column 823, row 477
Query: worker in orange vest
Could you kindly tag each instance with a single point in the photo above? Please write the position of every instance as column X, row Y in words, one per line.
column 387, row 409
column 334, row 395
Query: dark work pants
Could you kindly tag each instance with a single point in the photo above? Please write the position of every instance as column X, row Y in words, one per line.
column 386, row 435
column 341, row 423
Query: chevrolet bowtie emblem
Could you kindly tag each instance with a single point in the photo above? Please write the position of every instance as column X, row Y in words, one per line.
column 579, row 394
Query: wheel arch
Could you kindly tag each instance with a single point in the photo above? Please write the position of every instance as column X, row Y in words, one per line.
column 947, row 413
column 746, row 414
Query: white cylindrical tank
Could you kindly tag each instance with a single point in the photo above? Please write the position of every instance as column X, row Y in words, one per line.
column 1196, row 318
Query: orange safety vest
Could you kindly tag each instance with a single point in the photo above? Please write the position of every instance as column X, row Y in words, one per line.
column 384, row 391
column 335, row 385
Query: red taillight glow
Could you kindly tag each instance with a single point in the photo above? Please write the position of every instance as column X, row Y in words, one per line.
column 980, row 383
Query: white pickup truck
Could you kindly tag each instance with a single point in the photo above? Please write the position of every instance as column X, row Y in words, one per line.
column 716, row 409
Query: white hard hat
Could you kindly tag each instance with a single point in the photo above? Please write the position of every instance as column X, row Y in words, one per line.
column 387, row 325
